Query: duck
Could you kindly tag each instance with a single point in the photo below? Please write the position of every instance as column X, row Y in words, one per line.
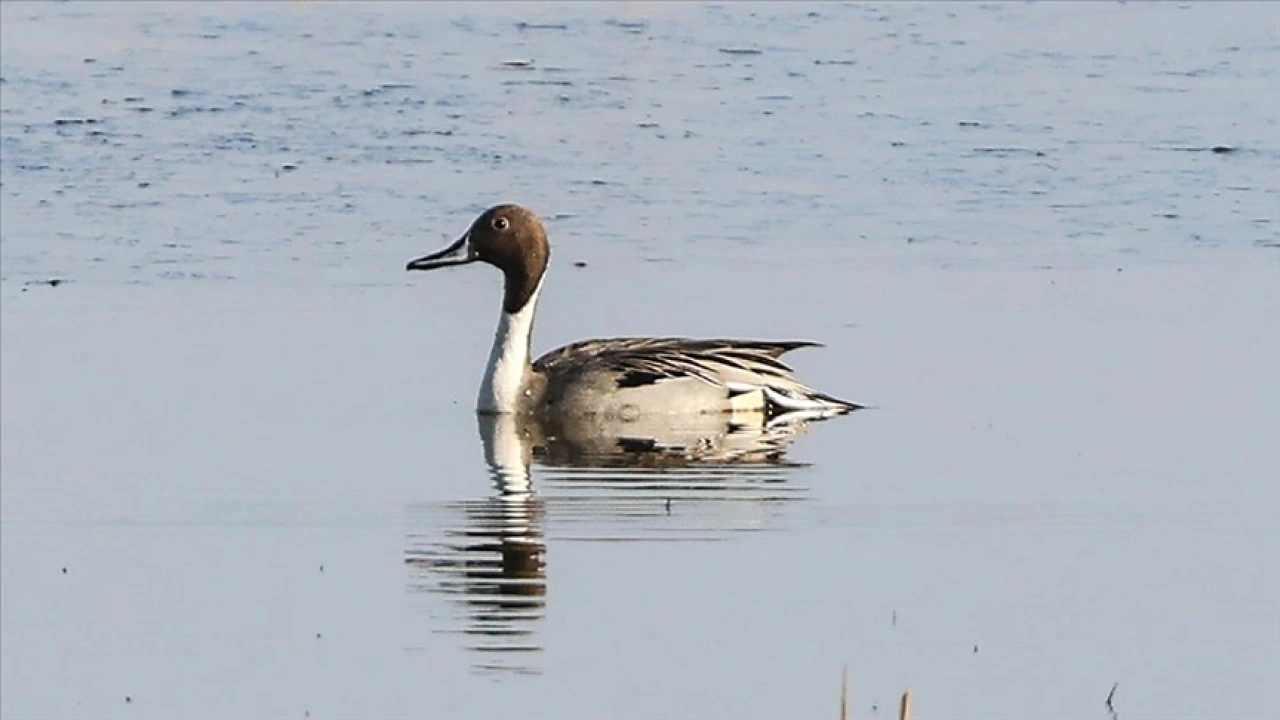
column 618, row 379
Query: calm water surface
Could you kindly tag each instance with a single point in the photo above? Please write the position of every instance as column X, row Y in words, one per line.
column 241, row 471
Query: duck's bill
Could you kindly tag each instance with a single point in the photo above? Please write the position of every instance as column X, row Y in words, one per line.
column 458, row 253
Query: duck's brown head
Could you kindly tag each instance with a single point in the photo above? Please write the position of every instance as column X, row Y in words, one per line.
column 507, row 237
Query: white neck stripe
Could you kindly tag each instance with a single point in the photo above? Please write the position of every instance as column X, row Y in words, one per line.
column 508, row 369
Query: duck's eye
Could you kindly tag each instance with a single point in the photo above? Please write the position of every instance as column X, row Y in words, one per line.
column 500, row 223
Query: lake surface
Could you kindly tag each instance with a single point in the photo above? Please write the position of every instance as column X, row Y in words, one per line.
column 241, row 472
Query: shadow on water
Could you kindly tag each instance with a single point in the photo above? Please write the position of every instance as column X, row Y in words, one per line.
column 636, row 481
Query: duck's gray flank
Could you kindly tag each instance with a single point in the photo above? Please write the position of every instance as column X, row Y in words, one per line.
column 614, row 377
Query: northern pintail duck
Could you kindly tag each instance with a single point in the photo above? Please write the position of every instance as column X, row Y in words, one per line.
column 614, row 378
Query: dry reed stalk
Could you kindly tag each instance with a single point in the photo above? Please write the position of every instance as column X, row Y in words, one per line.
column 844, row 694
column 904, row 710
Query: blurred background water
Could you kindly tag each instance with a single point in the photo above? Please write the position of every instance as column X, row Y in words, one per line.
column 241, row 471
column 320, row 139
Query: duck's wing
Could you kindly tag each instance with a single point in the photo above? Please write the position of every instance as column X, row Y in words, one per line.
column 739, row 366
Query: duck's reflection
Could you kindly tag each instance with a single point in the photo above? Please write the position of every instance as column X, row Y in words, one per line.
column 702, row 479
column 493, row 562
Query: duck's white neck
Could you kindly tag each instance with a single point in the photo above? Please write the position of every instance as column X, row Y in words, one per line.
column 504, row 378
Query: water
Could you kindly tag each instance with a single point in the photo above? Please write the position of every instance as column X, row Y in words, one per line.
column 242, row 475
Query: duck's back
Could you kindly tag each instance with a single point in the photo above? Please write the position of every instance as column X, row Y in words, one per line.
column 640, row 376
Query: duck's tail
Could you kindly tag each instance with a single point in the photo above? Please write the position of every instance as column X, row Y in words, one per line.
column 798, row 398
